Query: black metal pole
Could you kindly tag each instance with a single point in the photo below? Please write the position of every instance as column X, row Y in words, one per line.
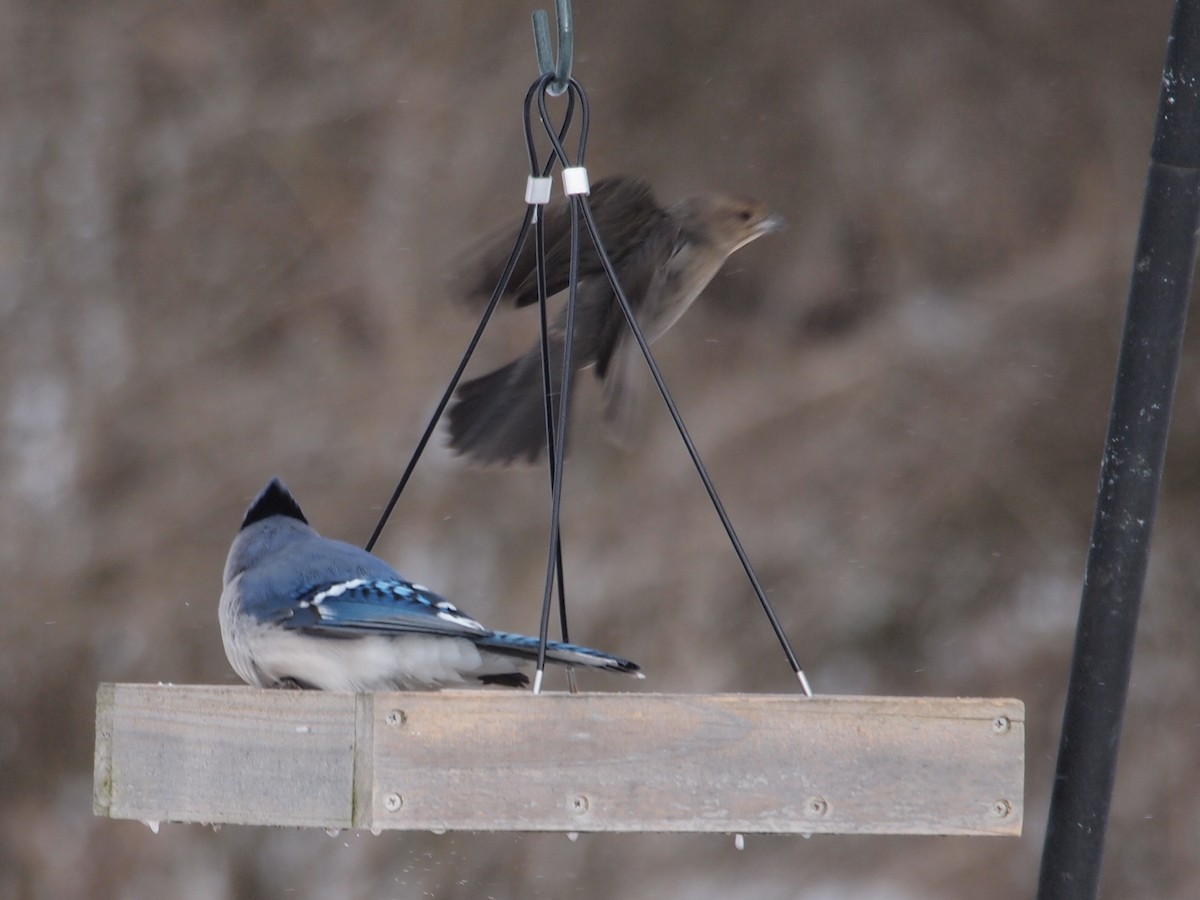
column 1130, row 474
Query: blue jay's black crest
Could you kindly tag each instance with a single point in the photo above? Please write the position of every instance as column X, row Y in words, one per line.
column 275, row 500
column 301, row 610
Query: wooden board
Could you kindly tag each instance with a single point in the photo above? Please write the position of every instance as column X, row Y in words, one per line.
column 513, row 761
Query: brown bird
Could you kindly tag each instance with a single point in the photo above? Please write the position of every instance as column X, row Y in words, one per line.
column 664, row 258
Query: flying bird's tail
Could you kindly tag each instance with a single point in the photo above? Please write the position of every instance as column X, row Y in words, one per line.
column 501, row 417
column 525, row 647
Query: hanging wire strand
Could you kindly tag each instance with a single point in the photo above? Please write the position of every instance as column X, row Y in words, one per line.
column 695, row 455
column 547, row 382
column 577, row 203
column 556, row 436
column 548, row 394
column 501, row 287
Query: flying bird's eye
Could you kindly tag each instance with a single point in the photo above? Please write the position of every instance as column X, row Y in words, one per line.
column 745, row 215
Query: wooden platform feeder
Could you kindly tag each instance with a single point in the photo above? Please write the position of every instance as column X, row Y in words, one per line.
column 493, row 761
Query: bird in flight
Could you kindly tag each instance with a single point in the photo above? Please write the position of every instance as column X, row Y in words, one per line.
column 663, row 256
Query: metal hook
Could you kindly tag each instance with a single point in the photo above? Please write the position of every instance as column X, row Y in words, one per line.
column 547, row 65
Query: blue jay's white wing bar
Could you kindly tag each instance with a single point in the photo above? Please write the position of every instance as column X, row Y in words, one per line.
column 379, row 607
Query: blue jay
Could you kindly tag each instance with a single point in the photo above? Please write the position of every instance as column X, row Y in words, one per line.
column 302, row 611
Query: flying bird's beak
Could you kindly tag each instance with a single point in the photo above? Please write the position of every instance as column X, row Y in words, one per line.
column 773, row 222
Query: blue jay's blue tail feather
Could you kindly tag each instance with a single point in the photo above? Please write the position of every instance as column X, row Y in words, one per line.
column 523, row 646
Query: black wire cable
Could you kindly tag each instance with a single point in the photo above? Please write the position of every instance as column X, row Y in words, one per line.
column 547, row 383
column 548, row 397
column 695, row 455
column 556, row 431
column 557, row 453
column 627, row 310
column 501, row 286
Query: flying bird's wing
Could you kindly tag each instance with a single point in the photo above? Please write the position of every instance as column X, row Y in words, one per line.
column 663, row 260
column 619, row 359
column 642, row 274
column 624, row 209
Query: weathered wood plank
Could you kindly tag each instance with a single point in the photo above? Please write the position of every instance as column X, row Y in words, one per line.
column 747, row 763
column 594, row 762
column 204, row 754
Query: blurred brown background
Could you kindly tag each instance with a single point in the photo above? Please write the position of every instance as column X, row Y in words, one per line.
column 223, row 233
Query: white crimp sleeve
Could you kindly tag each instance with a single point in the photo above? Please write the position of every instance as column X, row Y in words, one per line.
column 575, row 181
column 537, row 190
